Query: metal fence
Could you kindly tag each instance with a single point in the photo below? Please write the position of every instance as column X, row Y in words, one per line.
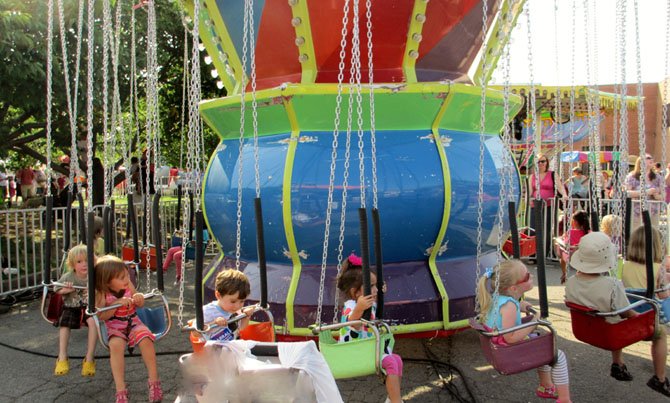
column 23, row 240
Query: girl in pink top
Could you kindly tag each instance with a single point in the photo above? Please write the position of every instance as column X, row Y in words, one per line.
column 579, row 226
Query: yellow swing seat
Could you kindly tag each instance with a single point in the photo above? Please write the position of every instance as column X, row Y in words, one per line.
column 356, row 357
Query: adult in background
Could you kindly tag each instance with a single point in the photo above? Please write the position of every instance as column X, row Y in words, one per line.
column 549, row 184
column 4, row 188
column 26, row 176
column 653, row 189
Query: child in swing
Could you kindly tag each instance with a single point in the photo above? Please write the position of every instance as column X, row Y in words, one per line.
column 350, row 283
column 232, row 289
column 579, row 226
column 74, row 308
column 513, row 279
column 593, row 287
column 113, row 286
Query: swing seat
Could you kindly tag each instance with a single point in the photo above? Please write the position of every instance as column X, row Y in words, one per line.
column 526, row 243
column 590, row 326
column 158, row 318
column 263, row 331
column 357, row 357
column 509, row 359
column 128, row 254
column 664, row 304
column 52, row 305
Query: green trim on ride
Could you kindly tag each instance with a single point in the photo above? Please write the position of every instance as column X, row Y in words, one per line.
column 398, row 107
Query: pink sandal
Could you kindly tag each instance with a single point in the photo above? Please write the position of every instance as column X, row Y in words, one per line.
column 155, row 391
column 122, row 396
column 546, row 392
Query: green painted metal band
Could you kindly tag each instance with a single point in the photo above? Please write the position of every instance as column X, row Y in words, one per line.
column 446, row 208
column 234, row 83
column 286, row 214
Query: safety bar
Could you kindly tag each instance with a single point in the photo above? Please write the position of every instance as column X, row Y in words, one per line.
column 641, row 301
column 154, row 293
column 531, row 323
column 62, row 285
column 234, row 319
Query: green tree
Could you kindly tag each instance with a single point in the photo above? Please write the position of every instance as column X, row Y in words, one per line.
column 23, row 48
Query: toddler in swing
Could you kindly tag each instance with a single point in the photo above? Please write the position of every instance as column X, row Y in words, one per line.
column 113, row 286
column 350, row 283
column 74, row 308
column 232, row 289
column 504, row 311
column 579, row 226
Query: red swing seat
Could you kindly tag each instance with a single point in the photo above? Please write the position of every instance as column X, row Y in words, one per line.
column 509, row 359
column 52, row 305
column 591, row 327
column 526, row 243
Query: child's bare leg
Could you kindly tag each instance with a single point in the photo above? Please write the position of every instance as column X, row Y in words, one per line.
column 545, row 378
column 617, row 357
column 659, row 354
column 149, row 356
column 63, row 339
column 92, row 339
column 393, row 388
column 117, row 347
column 563, row 393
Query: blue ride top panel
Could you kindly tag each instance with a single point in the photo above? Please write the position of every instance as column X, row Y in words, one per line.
column 410, row 191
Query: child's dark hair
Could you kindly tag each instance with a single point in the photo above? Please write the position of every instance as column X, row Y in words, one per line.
column 582, row 219
column 231, row 281
column 97, row 226
column 351, row 275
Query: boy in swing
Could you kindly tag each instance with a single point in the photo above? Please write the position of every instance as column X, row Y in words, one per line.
column 232, row 289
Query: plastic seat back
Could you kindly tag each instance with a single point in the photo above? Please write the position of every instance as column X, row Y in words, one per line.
column 663, row 313
column 263, row 331
column 52, row 305
column 596, row 331
column 353, row 358
column 509, row 359
column 154, row 319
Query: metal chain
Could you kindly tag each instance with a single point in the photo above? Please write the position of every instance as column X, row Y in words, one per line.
column 664, row 122
column 596, row 185
column 591, row 112
column 640, row 114
column 106, row 37
column 254, row 103
column 333, row 160
column 184, row 89
column 89, row 102
column 373, row 133
column 240, row 159
column 623, row 118
column 482, row 139
column 71, row 98
column 356, row 66
column 49, row 69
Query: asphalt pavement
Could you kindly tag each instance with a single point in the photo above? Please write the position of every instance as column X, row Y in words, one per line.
column 436, row 370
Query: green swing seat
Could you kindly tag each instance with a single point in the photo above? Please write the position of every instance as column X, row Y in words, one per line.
column 356, row 357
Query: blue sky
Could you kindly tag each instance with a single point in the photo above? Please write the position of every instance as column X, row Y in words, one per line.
column 547, row 70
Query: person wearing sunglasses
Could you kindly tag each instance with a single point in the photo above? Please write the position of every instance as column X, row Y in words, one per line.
column 653, row 188
column 549, row 184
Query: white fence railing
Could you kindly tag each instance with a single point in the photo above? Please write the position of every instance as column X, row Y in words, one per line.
column 23, row 240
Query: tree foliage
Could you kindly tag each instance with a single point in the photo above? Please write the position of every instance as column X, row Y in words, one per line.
column 23, row 62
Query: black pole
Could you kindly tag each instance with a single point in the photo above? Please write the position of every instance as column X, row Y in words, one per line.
column 105, row 229
column 199, row 317
column 191, row 212
column 260, row 249
column 112, row 226
column 595, row 224
column 178, row 206
column 379, row 262
column 514, row 228
column 90, row 259
column 158, row 240
column 540, row 256
column 82, row 219
column 627, row 222
column 46, row 269
column 365, row 255
column 648, row 253
column 68, row 222
column 133, row 228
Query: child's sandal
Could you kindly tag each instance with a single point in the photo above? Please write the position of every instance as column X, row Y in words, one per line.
column 88, row 368
column 546, row 392
column 155, row 391
column 62, row 367
column 122, row 396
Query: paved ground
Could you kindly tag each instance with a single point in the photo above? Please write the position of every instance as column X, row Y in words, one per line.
column 26, row 377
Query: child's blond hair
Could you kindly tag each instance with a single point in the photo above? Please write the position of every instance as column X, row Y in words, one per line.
column 611, row 225
column 231, row 281
column 507, row 273
column 73, row 254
